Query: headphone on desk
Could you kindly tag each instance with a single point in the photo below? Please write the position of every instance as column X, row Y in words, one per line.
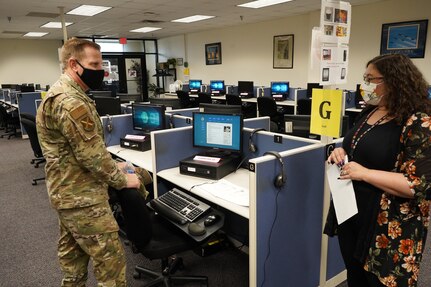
column 109, row 124
column 171, row 120
column 280, row 179
column 251, row 146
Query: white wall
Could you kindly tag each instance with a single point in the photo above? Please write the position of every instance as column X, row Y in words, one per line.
column 29, row 61
column 247, row 49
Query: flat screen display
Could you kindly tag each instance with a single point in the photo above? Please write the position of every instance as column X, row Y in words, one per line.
column 195, row 85
column 245, row 88
column 148, row 118
column 311, row 86
column 217, row 87
column 280, row 90
column 218, row 131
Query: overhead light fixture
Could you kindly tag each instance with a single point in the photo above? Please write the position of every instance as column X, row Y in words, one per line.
column 35, row 34
column 145, row 29
column 55, row 25
column 194, row 18
column 262, row 3
column 88, row 10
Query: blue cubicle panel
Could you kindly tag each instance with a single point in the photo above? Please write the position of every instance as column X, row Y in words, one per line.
column 27, row 104
column 350, row 99
column 257, row 123
column 291, row 239
column 301, row 93
column 121, row 125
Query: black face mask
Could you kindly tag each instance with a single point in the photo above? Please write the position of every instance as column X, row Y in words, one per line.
column 92, row 78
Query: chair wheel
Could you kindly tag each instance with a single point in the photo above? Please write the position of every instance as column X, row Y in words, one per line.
column 136, row 275
column 34, row 183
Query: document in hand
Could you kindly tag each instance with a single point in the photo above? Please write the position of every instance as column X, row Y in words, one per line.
column 343, row 195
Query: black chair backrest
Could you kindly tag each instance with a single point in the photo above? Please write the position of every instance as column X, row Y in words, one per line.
column 266, row 106
column 28, row 116
column 30, row 127
column 304, row 107
column 233, row 100
column 204, row 98
column 184, row 99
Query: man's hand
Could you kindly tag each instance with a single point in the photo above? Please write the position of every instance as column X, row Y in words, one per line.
column 133, row 181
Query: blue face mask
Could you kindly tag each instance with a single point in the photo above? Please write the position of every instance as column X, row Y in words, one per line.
column 92, row 78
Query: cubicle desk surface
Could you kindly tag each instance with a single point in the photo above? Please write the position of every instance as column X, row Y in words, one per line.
column 279, row 103
column 138, row 158
column 192, row 184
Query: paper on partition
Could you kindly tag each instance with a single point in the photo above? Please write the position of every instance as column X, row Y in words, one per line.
column 343, row 195
column 228, row 191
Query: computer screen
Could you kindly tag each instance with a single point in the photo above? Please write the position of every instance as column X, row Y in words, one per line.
column 280, row 90
column 246, row 88
column 195, row 85
column 299, row 125
column 218, row 132
column 311, row 86
column 217, row 87
column 108, row 105
column 220, row 108
column 147, row 118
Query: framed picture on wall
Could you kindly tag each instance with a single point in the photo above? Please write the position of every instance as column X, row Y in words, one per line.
column 283, row 52
column 406, row 38
column 213, row 53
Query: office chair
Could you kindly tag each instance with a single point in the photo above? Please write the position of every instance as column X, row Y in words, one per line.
column 10, row 119
column 248, row 109
column 185, row 101
column 268, row 107
column 30, row 126
column 155, row 238
column 204, row 98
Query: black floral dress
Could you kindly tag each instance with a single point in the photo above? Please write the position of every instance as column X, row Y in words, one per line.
column 402, row 224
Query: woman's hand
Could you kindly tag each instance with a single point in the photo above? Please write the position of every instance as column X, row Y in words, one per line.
column 337, row 156
column 353, row 171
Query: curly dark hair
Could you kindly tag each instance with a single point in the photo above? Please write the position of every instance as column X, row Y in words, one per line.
column 406, row 88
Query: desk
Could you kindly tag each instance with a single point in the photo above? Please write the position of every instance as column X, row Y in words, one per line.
column 240, row 178
column 139, row 158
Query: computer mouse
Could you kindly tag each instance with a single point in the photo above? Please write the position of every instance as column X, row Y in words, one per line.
column 211, row 219
column 196, row 229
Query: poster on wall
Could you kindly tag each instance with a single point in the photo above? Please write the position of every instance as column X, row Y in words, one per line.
column 335, row 20
column 333, row 65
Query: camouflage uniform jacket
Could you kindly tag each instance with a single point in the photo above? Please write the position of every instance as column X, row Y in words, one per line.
column 78, row 166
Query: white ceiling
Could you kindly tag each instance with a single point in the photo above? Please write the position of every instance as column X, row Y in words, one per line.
column 132, row 14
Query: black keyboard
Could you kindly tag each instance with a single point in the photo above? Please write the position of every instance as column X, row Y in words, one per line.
column 179, row 206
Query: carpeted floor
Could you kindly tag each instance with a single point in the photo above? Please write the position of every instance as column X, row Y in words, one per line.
column 29, row 232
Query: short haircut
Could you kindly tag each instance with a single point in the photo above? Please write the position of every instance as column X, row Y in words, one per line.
column 74, row 47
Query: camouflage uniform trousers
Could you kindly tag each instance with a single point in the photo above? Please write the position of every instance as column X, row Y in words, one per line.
column 91, row 232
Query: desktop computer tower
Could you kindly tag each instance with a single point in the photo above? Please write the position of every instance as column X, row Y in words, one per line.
column 210, row 170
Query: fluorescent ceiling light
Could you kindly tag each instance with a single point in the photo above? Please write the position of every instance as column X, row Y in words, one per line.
column 194, row 18
column 35, row 34
column 262, row 3
column 56, row 25
column 145, row 29
column 88, row 10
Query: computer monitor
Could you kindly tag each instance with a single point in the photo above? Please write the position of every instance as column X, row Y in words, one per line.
column 299, row 125
column 279, row 90
column 310, row 87
column 221, row 134
column 108, row 105
column 246, row 89
column 195, row 86
column 220, row 108
column 147, row 117
column 217, row 87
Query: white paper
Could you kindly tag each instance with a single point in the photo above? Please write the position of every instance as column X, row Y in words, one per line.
column 228, row 191
column 343, row 195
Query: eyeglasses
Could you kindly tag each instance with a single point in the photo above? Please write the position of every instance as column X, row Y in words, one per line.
column 367, row 79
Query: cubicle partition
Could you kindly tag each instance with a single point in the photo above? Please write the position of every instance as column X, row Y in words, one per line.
column 121, row 125
column 27, row 104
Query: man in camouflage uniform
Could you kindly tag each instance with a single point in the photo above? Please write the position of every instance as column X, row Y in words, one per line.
column 79, row 170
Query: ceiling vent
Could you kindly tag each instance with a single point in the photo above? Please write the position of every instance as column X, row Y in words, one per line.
column 13, row 32
column 152, row 21
column 43, row 15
